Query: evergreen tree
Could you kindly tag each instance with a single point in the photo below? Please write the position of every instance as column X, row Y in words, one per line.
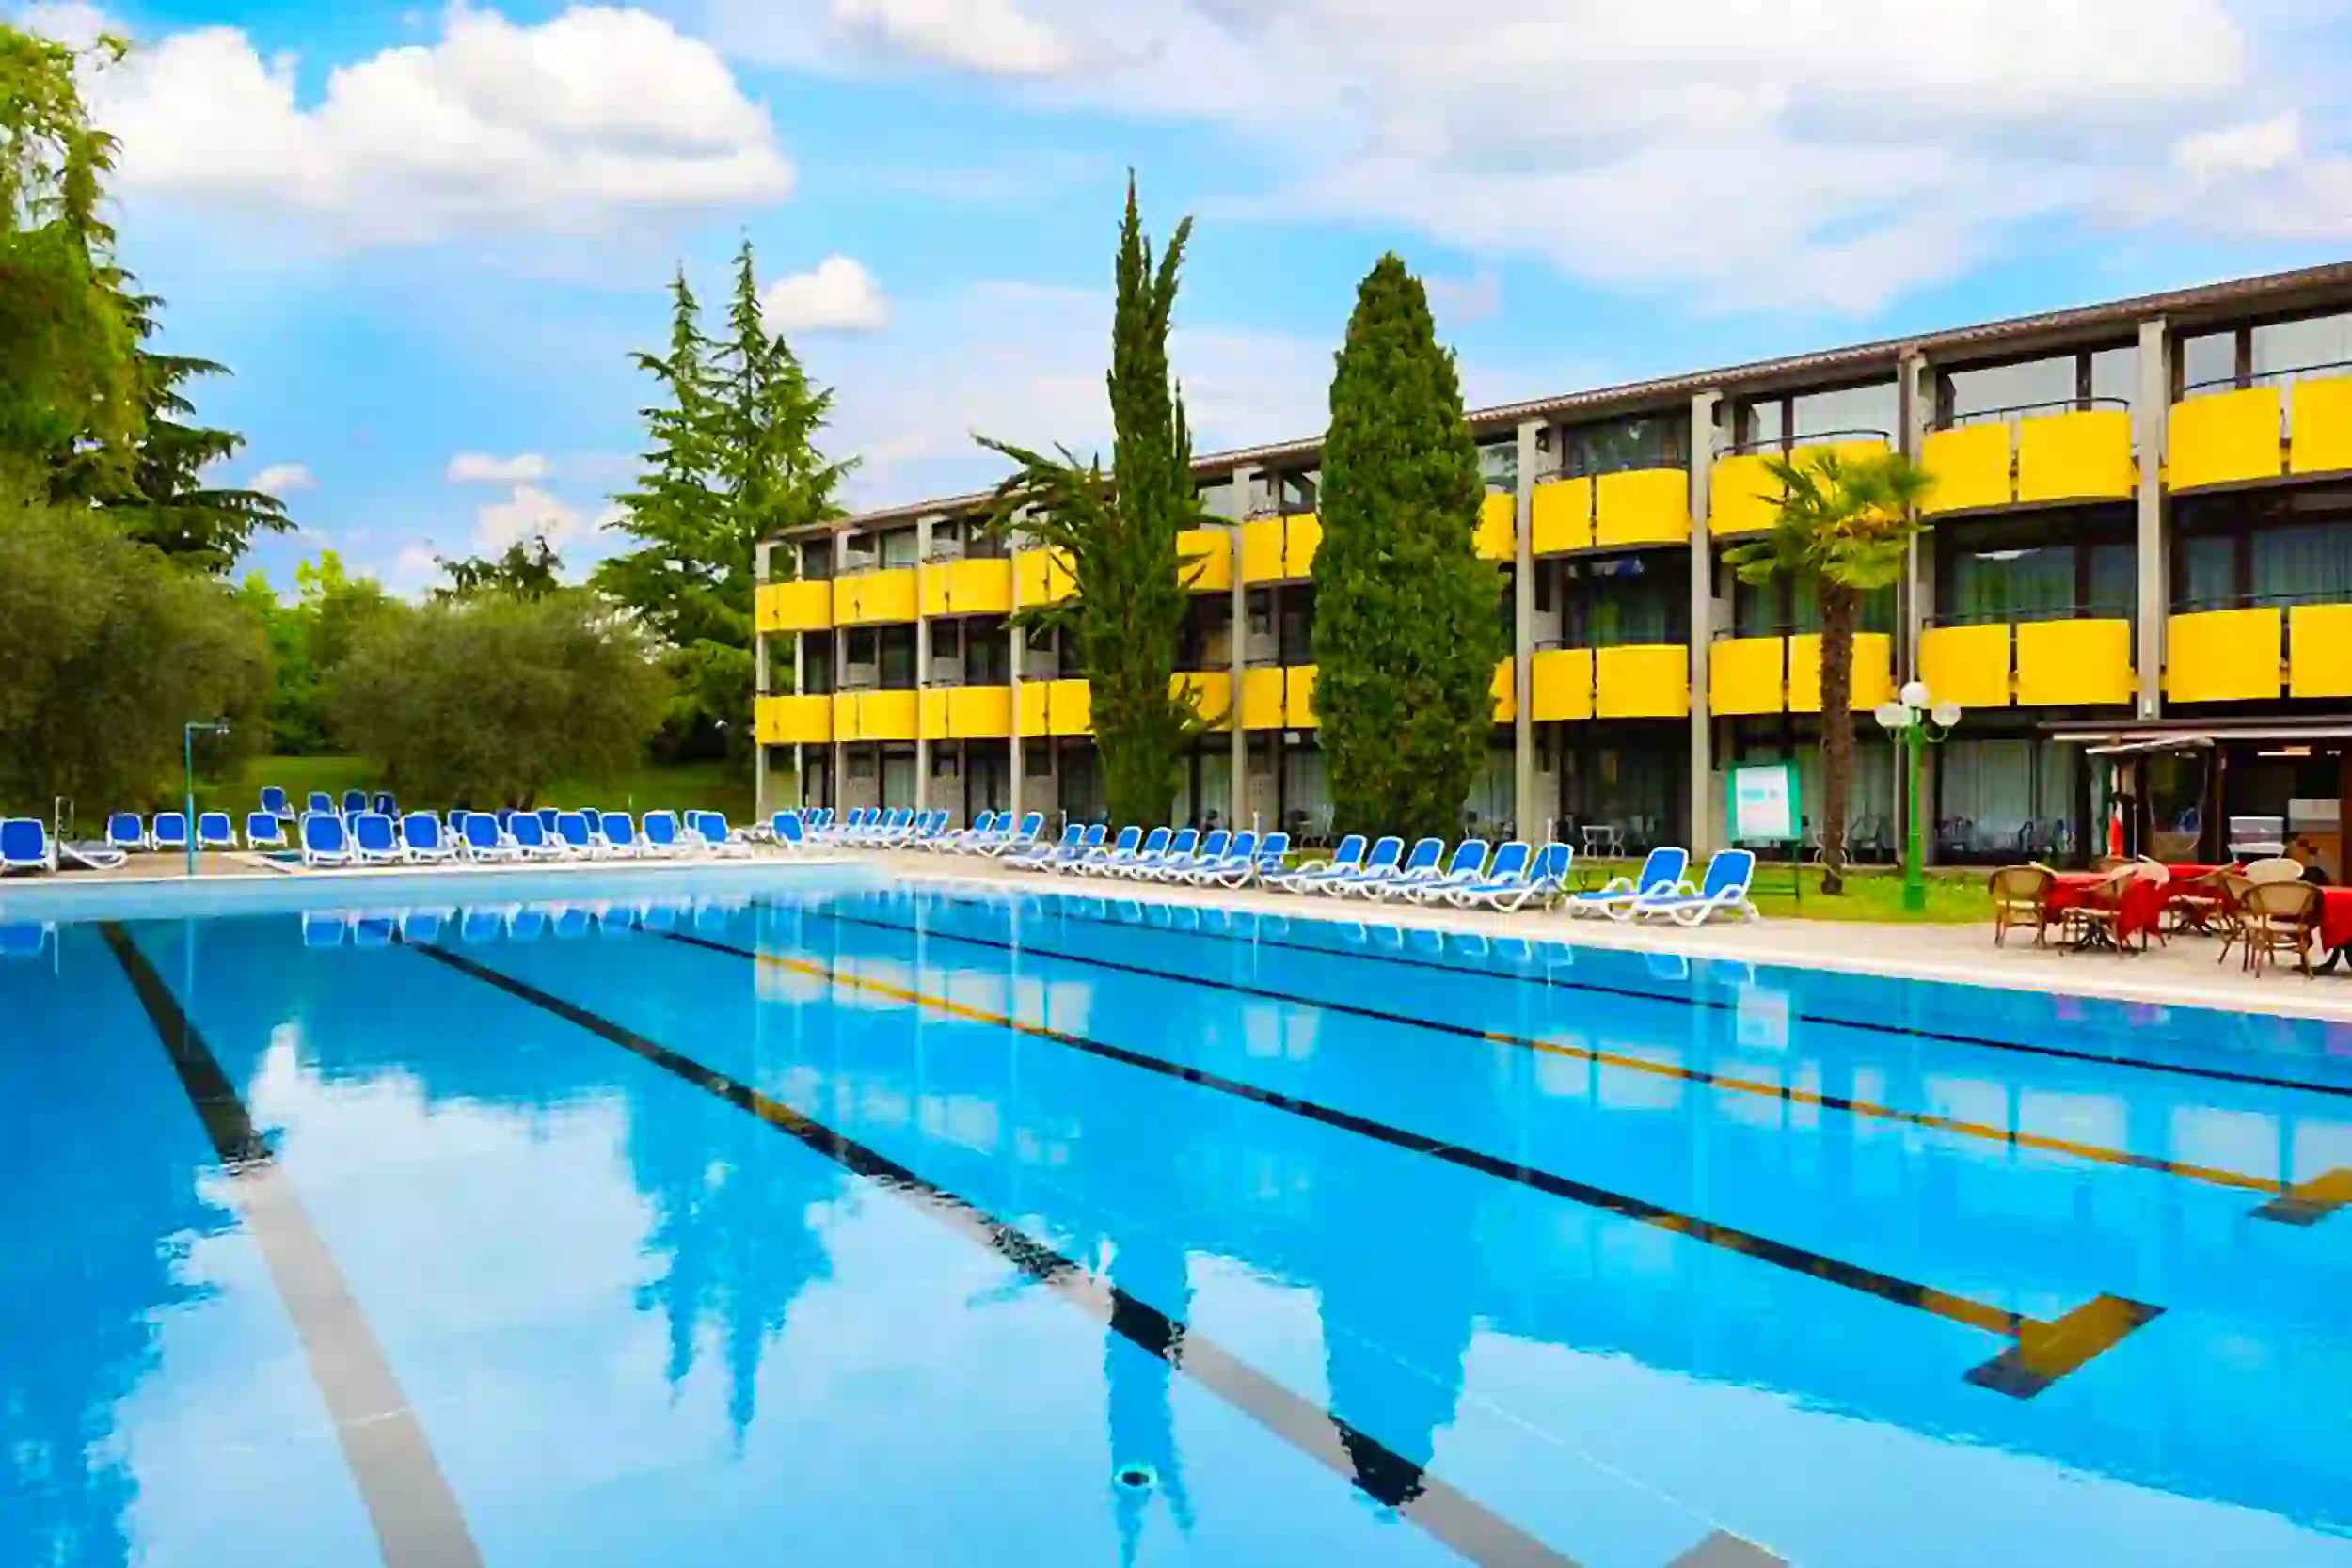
column 1119, row 532
column 733, row 461
column 1406, row 635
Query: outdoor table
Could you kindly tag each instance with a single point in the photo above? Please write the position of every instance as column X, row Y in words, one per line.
column 2141, row 912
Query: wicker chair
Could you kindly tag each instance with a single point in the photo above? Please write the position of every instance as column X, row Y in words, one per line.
column 2281, row 917
column 2097, row 920
column 2021, row 895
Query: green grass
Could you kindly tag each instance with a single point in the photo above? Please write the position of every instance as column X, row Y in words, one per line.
column 699, row 786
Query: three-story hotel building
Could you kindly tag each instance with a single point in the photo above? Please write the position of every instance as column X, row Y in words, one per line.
column 2135, row 576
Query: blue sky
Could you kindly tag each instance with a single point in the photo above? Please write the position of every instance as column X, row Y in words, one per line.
column 427, row 238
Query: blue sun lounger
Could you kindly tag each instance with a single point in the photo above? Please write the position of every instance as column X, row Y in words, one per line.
column 1662, row 873
column 324, row 841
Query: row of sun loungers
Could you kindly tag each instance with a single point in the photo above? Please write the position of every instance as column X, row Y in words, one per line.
column 374, row 838
column 1473, row 875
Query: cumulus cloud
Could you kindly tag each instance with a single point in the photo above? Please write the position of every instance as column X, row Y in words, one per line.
column 526, row 513
column 565, row 126
column 838, row 296
column 994, row 36
column 476, row 468
column 283, row 479
column 2256, row 147
column 1803, row 155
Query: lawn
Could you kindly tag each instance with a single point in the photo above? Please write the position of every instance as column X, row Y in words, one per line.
column 699, row 786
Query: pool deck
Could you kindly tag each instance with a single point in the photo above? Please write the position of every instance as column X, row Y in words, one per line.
column 2181, row 972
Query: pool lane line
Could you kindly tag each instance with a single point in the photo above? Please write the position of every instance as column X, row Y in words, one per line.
column 2319, row 1198
column 2221, row 1075
column 2042, row 1352
column 1452, row 1516
column 416, row 1516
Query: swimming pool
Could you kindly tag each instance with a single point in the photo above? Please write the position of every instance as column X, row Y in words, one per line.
column 793, row 1215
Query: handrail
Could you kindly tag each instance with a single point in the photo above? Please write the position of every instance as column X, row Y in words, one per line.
column 2081, row 612
column 2259, row 600
column 2076, row 405
column 1785, row 444
column 1582, row 471
column 2235, row 383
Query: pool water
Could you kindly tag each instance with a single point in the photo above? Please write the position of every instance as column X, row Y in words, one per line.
column 809, row 1218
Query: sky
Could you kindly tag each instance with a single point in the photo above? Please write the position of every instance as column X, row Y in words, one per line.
column 427, row 240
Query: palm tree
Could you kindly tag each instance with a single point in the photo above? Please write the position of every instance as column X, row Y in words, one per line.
column 1841, row 529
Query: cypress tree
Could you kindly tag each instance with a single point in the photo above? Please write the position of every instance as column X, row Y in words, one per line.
column 1119, row 531
column 1407, row 634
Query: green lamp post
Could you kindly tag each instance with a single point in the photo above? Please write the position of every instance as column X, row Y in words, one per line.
column 1913, row 721
column 188, row 732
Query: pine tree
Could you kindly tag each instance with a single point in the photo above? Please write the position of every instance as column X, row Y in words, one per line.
column 1119, row 531
column 1407, row 634
column 733, row 461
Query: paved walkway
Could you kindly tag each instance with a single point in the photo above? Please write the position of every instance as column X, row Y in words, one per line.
column 2181, row 972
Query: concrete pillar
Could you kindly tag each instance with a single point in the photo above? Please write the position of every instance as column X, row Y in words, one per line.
column 1237, row 797
column 759, row 684
column 2153, row 406
column 1016, row 644
column 1702, row 779
column 1915, row 600
column 923, row 570
column 1524, row 807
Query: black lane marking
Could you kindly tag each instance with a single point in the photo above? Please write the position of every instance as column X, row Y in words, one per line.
column 1447, row 1513
column 2238, row 1180
column 416, row 1519
column 1721, row 1004
column 2032, row 1336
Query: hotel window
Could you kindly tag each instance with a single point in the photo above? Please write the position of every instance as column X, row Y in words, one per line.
column 2205, row 572
column 900, row 547
column 817, row 662
column 1617, row 601
column 897, row 644
column 816, row 559
column 2280, row 349
column 1222, row 499
column 1850, row 410
column 858, row 653
column 1633, row 441
column 2209, row 363
column 1498, row 465
column 987, row 652
column 858, row 552
column 2301, row 563
column 2040, row 386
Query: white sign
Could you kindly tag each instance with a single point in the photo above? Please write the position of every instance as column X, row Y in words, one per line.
column 1764, row 803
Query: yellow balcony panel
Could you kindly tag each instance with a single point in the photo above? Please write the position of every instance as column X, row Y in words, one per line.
column 2083, row 456
column 875, row 596
column 1299, row 696
column 1874, row 672
column 1968, row 665
column 1497, row 537
column 1032, row 706
column 2064, row 663
column 1642, row 506
column 1215, row 691
column 1741, row 494
column 1261, row 550
column 795, row 605
column 887, row 715
column 1644, row 681
column 1847, row 451
column 1041, row 577
column 845, row 717
column 795, row 720
column 2319, row 650
column 1563, row 679
column 1210, row 550
column 1301, row 536
column 979, row 712
column 1506, row 694
column 1970, row 465
column 2223, row 656
column 934, row 713
column 1071, row 709
column 2224, row 438
column 1746, row 674
column 968, row 588
column 1563, row 520
column 1262, row 698
column 2320, row 427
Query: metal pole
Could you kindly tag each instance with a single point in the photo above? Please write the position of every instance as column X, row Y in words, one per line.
column 1915, row 868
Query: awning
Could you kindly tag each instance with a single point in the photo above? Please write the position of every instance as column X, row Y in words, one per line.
column 2136, row 737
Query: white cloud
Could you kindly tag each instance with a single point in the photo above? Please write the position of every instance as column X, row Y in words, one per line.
column 412, row 568
column 565, row 126
column 1790, row 154
column 283, row 479
column 527, row 512
column 1460, row 300
column 2256, row 147
column 475, row 467
column 994, row 36
column 839, row 295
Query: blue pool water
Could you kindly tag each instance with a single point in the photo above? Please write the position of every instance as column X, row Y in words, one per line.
column 806, row 1218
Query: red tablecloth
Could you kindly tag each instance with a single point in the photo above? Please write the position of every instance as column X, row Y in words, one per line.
column 2143, row 904
column 2335, row 917
column 2190, row 873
